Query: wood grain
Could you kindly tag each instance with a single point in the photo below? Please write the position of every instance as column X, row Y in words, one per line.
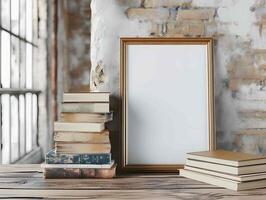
column 25, row 181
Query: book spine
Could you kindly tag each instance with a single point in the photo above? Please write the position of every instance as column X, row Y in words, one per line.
column 71, row 173
column 78, row 159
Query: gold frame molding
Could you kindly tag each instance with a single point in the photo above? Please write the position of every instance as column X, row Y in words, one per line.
column 124, row 42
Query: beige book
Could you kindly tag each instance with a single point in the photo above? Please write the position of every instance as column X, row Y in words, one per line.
column 86, row 107
column 89, row 137
column 79, row 127
column 86, row 97
column 76, row 148
column 227, row 169
column 240, row 178
column 222, row 182
column 227, row 158
column 86, row 117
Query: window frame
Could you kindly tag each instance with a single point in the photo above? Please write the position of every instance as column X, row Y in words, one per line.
column 34, row 155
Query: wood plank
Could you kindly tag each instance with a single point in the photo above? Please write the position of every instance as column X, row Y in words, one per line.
column 102, row 184
column 188, row 194
column 20, row 168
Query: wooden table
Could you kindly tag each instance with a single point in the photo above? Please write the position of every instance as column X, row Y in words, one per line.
column 25, row 181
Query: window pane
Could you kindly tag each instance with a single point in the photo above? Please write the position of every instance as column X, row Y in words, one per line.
column 14, row 62
column 15, row 16
column 34, row 119
column 28, row 122
column 29, row 20
column 22, row 127
column 14, row 129
column 5, row 128
column 22, row 25
column 28, row 66
column 5, row 59
column 5, row 11
column 22, row 81
column 34, row 21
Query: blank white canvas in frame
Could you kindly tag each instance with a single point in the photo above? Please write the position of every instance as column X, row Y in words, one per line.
column 167, row 102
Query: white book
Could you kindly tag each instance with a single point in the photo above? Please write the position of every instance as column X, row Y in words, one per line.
column 86, row 97
column 79, row 127
column 222, row 182
column 86, row 107
column 92, row 166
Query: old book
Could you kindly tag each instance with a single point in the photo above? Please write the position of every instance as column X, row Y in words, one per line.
column 86, row 107
column 89, row 137
column 91, row 166
column 81, row 148
column 240, row 178
column 86, row 117
column 86, row 97
column 222, row 182
column 54, row 158
column 79, row 127
column 227, row 158
column 226, row 168
column 71, row 173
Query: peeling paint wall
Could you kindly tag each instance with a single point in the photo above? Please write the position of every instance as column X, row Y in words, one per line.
column 74, row 29
column 239, row 29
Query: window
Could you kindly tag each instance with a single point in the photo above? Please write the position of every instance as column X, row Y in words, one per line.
column 19, row 99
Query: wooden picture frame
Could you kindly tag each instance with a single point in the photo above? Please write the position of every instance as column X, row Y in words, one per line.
column 186, row 66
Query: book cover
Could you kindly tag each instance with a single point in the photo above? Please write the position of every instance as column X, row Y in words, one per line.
column 91, row 166
column 78, row 127
column 227, row 157
column 54, row 158
column 73, row 173
column 86, row 107
column 86, row 117
column 89, row 137
column 86, row 97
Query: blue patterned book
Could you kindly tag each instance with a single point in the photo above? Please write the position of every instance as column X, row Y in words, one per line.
column 54, row 158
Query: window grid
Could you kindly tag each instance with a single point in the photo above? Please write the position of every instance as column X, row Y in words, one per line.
column 19, row 101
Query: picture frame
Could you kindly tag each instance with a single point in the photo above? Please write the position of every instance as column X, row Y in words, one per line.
column 166, row 88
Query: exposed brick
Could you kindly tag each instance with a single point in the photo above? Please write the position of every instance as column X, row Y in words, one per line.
column 196, row 14
column 148, row 14
column 190, row 27
column 167, row 3
column 130, row 3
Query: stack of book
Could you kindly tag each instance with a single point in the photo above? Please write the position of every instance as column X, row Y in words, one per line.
column 82, row 145
column 232, row 170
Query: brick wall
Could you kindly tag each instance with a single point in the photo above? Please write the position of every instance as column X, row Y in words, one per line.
column 239, row 29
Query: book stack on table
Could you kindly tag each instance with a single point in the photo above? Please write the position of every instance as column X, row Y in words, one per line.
column 232, row 170
column 82, row 145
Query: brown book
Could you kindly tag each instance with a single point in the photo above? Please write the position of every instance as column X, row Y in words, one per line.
column 89, row 137
column 227, row 158
column 86, row 97
column 72, row 173
column 86, row 117
column 223, row 182
column 77, row 147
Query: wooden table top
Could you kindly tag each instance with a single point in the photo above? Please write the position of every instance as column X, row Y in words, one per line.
column 25, row 181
